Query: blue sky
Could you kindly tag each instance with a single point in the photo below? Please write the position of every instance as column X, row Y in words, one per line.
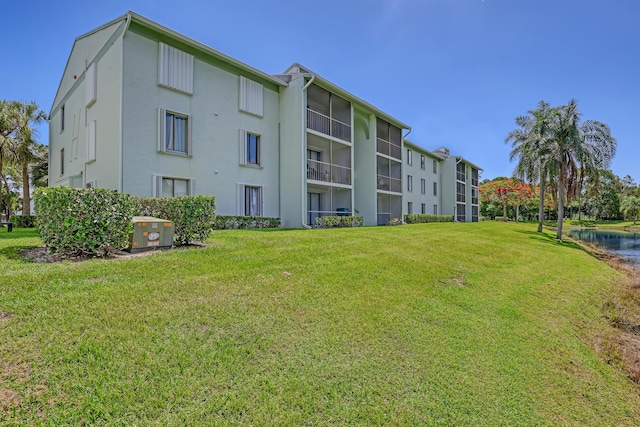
column 457, row 71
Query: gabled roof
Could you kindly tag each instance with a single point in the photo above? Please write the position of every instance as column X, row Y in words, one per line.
column 297, row 68
column 89, row 45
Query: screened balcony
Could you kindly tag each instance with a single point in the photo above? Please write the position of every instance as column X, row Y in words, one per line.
column 388, row 175
column 327, row 201
column 389, row 207
column 328, row 161
column 328, row 113
column 388, row 140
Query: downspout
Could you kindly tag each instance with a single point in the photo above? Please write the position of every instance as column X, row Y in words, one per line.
column 121, row 118
column 303, row 163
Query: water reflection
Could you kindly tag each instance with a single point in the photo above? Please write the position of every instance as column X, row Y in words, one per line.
column 624, row 244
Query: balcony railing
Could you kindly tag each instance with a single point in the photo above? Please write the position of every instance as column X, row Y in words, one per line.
column 461, row 198
column 328, row 126
column 389, row 184
column 386, row 148
column 327, row 172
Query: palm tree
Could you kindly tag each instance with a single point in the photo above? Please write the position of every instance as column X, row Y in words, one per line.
column 8, row 125
column 25, row 147
column 530, row 146
column 577, row 150
column 630, row 206
column 40, row 169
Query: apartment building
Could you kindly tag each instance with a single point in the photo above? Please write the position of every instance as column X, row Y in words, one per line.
column 147, row 111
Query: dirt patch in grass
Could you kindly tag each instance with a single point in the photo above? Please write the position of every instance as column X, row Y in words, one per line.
column 41, row 254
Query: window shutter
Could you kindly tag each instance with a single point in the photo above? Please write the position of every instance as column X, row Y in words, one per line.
column 242, row 146
column 156, row 190
column 175, row 69
column 189, row 137
column 90, row 139
column 90, row 85
column 240, row 202
column 162, row 130
column 251, row 96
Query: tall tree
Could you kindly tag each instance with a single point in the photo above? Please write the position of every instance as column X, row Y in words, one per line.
column 9, row 122
column 530, row 146
column 25, row 147
column 40, row 169
column 630, row 206
column 577, row 150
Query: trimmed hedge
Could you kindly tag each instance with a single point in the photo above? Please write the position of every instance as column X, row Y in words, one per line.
column 424, row 218
column 191, row 215
column 245, row 222
column 23, row 221
column 339, row 221
column 74, row 221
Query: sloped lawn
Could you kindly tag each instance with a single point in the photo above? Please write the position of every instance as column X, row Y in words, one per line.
column 483, row 324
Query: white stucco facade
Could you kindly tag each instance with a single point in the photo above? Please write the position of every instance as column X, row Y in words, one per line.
column 147, row 111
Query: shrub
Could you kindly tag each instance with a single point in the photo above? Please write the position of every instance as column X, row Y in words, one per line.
column 191, row 215
column 339, row 221
column 245, row 222
column 74, row 221
column 394, row 221
column 22, row 221
column 425, row 218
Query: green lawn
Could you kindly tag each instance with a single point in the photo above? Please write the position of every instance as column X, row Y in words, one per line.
column 435, row 324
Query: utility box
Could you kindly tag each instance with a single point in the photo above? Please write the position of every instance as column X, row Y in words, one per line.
column 151, row 233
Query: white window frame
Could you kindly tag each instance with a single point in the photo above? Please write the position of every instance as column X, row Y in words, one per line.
column 243, row 142
column 423, row 162
column 162, row 132
column 409, row 157
column 423, row 208
column 410, row 208
column 435, row 166
column 410, row 183
column 423, row 186
column 242, row 204
column 62, row 161
column 156, row 186
column 435, row 188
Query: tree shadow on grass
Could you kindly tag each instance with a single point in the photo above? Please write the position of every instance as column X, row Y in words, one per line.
column 547, row 238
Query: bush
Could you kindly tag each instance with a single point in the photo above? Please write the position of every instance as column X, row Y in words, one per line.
column 245, row 222
column 339, row 221
column 23, row 221
column 74, row 221
column 191, row 215
column 425, row 218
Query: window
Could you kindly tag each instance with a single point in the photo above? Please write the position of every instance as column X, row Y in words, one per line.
column 435, row 166
column 167, row 186
column 251, row 96
column 61, row 119
column 461, row 172
column 435, row 209
column 423, row 208
column 250, row 151
column 423, row 162
column 90, row 141
column 435, row 188
column 61, row 161
column 175, row 69
column 409, row 157
column 423, row 186
column 90, row 87
column 174, row 132
column 409, row 208
column 409, row 183
column 252, row 205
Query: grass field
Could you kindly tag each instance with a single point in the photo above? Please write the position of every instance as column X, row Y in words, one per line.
column 483, row 324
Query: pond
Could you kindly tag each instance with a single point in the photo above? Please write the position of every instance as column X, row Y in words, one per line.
column 623, row 243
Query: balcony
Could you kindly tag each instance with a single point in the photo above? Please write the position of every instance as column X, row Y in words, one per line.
column 327, row 172
column 387, row 183
column 388, row 149
column 328, row 126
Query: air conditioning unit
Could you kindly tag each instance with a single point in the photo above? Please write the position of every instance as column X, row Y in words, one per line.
column 151, row 233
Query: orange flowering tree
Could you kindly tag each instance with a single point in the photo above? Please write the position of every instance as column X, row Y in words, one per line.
column 502, row 193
